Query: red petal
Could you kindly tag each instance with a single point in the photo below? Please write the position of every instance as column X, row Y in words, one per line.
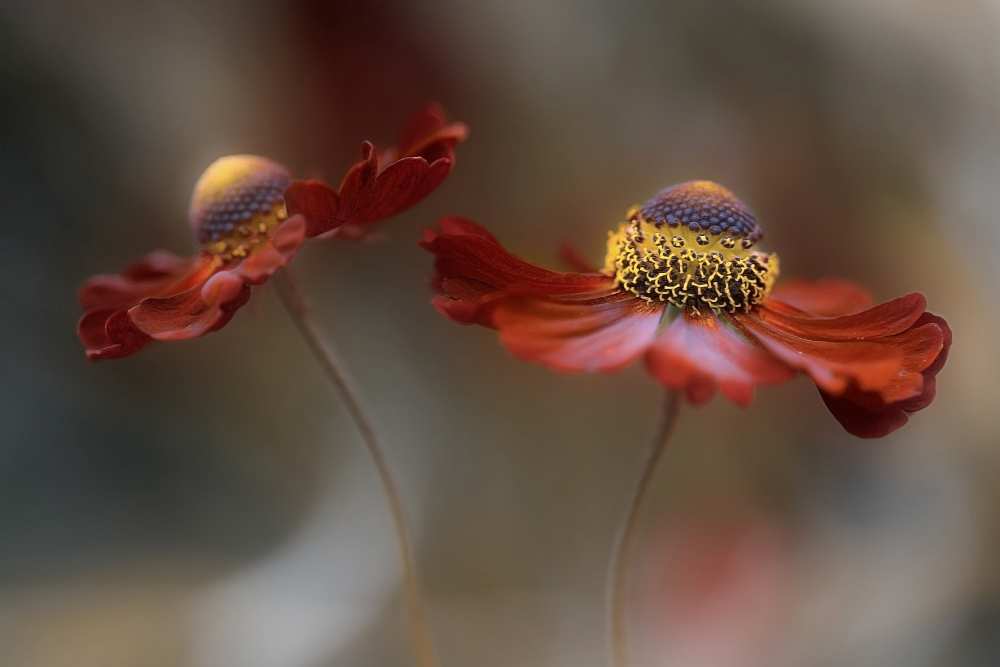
column 109, row 334
column 473, row 269
column 399, row 186
column 358, row 183
column 886, row 319
column 192, row 313
column 873, row 415
column 209, row 306
column 701, row 355
column 375, row 187
column 429, row 135
column 581, row 335
column 153, row 274
column 832, row 365
column 276, row 253
column 317, row 202
column 105, row 329
column 566, row 321
column 828, row 298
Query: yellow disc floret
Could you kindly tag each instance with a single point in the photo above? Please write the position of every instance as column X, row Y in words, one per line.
column 696, row 253
column 237, row 203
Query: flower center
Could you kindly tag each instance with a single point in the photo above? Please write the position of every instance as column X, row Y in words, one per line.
column 692, row 246
column 237, row 204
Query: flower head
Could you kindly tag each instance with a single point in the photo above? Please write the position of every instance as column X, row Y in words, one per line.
column 249, row 218
column 685, row 287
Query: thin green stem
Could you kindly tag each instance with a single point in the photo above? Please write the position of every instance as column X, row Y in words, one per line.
column 622, row 555
column 299, row 311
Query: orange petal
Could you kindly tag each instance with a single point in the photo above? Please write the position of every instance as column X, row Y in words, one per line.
column 832, row 365
column 879, row 321
column 829, row 298
column 105, row 329
column 699, row 355
column 873, row 415
column 193, row 313
column 592, row 335
column 472, row 270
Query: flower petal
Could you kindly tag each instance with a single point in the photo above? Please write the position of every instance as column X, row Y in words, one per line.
column 105, row 328
column 399, row 186
column 276, row 253
column 317, row 202
column 873, row 415
column 429, row 135
column 109, row 334
column 152, row 274
column 210, row 305
column 380, row 186
column 832, row 365
column 192, row 313
column 699, row 355
column 570, row 322
column 885, row 319
column 872, row 367
column 472, row 269
column 828, row 298
column 577, row 335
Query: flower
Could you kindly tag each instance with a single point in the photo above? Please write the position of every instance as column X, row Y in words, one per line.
column 685, row 287
column 250, row 217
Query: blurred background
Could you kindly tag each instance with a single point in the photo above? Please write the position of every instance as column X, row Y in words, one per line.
column 209, row 504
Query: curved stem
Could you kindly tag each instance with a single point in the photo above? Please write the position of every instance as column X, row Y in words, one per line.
column 298, row 310
column 621, row 556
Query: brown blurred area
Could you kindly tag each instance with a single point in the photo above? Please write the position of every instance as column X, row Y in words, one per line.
column 208, row 504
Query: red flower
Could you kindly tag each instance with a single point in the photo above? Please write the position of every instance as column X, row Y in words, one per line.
column 684, row 287
column 250, row 218
column 379, row 187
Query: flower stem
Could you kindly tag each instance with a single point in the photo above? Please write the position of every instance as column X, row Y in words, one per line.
column 299, row 311
column 622, row 555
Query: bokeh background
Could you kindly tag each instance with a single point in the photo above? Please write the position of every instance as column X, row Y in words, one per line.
column 208, row 504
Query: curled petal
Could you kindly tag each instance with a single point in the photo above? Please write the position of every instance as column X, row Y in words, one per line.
column 167, row 298
column 156, row 272
column 428, row 134
column 192, row 313
column 210, row 304
column 832, row 365
column 828, row 298
column 378, row 187
column 873, row 367
column 873, row 415
column 370, row 193
column 106, row 330
column 699, row 355
column 472, row 270
column 109, row 334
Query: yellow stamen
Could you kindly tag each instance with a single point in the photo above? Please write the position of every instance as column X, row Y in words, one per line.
column 689, row 269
